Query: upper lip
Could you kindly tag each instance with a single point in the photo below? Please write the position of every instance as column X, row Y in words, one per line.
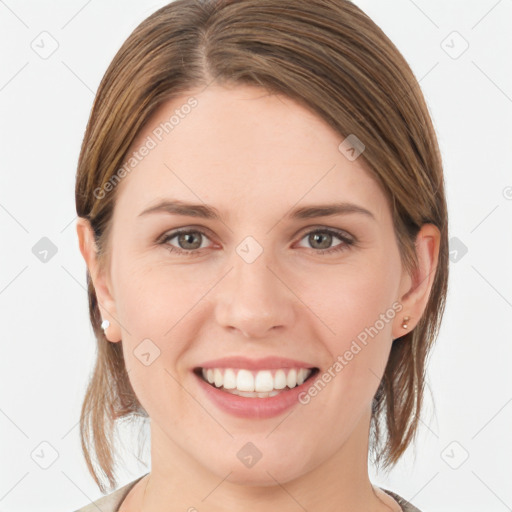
column 255, row 364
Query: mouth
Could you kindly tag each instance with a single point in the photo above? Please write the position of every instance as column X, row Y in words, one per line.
column 263, row 383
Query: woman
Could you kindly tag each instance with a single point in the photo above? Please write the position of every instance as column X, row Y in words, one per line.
column 262, row 214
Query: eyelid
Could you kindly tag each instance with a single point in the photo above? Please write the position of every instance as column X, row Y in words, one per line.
column 321, row 227
column 303, row 231
column 347, row 240
column 188, row 228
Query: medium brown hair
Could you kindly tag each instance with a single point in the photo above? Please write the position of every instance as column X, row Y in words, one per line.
column 327, row 55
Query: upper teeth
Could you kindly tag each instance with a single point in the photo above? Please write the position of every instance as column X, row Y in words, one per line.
column 261, row 381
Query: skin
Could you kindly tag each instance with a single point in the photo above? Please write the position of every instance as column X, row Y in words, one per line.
column 254, row 156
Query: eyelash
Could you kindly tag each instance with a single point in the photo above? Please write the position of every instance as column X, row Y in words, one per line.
column 346, row 244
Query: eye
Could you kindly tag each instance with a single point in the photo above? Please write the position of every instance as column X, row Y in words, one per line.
column 322, row 239
column 191, row 241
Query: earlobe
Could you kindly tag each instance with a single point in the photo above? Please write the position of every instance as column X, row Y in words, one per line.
column 106, row 301
column 415, row 299
column 402, row 329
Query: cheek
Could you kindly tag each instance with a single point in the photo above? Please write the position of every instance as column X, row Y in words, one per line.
column 158, row 306
column 155, row 306
column 350, row 300
column 358, row 307
column 153, row 298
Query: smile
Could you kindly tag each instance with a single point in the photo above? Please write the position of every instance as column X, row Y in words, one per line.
column 255, row 384
column 254, row 393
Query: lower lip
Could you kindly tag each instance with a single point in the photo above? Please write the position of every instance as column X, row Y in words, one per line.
column 245, row 407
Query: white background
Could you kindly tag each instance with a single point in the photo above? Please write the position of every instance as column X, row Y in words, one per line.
column 48, row 346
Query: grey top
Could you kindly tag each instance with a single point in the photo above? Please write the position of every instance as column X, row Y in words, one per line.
column 112, row 502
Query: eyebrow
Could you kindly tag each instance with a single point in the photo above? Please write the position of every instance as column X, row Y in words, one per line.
column 176, row 207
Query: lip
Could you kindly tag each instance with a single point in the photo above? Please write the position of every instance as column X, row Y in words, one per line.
column 265, row 363
column 254, row 408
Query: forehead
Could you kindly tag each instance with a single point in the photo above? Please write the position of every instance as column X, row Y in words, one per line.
column 237, row 147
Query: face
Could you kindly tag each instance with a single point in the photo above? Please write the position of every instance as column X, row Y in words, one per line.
column 269, row 276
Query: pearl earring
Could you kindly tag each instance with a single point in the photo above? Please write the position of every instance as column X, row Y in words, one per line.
column 404, row 322
column 105, row 324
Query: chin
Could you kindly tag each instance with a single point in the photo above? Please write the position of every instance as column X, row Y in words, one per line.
column 267, row 470
column 253, row 477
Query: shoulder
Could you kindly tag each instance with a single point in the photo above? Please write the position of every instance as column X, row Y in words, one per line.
column 406, row 505
column 111, row 502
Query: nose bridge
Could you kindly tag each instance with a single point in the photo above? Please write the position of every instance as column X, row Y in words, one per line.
column 253, row 300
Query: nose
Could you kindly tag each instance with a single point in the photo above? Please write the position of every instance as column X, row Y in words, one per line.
column 254, row 299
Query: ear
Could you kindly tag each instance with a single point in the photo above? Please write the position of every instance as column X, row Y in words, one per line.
column 99, row 278
column 415, row 289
